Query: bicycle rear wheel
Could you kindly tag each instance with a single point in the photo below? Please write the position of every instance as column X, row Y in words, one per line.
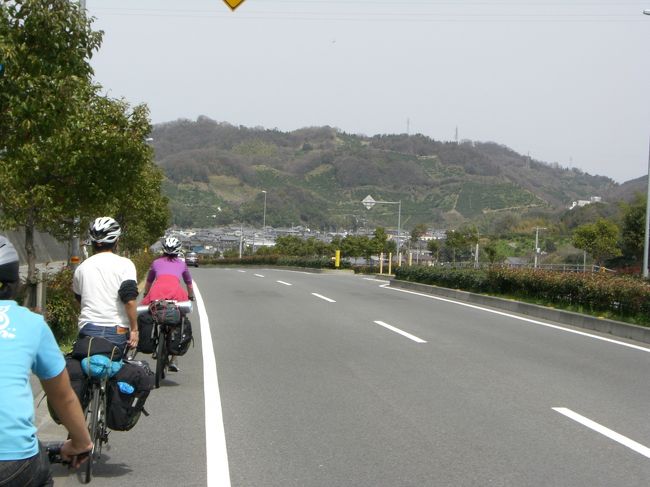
column 96, row 420
column 92, row 419
column 161, row 358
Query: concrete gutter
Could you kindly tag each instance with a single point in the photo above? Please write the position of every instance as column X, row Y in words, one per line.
column 602, row 325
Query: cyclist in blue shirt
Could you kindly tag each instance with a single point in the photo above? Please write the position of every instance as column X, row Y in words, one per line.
column 27, row 345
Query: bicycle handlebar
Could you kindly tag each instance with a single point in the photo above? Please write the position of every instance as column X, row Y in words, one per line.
column 53, row 449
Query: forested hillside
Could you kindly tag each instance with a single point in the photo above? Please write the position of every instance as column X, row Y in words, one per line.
column 318, row 176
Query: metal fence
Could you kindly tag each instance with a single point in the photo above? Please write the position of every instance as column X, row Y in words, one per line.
column 549, row 267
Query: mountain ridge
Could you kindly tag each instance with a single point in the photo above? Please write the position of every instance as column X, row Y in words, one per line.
column 318, row 175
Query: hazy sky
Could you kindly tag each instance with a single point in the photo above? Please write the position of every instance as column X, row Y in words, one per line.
column 566, row 80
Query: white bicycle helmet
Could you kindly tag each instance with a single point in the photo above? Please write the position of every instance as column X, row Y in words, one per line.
column 104, row 230
column 171, row 246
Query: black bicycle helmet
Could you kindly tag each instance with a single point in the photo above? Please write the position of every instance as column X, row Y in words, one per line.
column 104, row 230
column 9, row 273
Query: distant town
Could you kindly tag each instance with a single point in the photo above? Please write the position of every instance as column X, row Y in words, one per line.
column 220, row 239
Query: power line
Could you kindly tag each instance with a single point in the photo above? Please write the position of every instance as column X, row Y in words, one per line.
column 380, row 17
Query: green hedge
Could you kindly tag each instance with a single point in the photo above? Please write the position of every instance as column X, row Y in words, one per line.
column 273, row 260
column 619, row 297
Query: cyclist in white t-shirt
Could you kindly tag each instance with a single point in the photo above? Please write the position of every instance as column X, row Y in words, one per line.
column 105, row 284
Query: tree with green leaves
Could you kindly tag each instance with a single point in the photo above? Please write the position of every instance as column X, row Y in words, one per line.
column 289, row 245
column 416, row 234
column 491, row 250
column 66, row 151
column 599, row 239
column 633, row 228
column 45, row 46
column 455, row 242
column 356, row 246
column 433, row 246
column 143, row 212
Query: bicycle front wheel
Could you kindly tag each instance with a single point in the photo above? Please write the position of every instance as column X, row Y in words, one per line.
column 161, row 358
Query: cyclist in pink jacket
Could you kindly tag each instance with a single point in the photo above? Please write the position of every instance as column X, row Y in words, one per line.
column 164, row 280
column 165, row 275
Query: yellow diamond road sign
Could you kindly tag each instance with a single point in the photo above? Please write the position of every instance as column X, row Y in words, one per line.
column 233, row 4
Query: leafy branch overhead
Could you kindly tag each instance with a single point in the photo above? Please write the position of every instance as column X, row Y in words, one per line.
column 66, row 150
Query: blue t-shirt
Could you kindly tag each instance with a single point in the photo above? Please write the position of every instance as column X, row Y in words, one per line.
column 26, row 345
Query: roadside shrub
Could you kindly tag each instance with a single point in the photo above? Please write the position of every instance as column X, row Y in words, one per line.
column 142, row 263
column 61, row 309
column 620, row 297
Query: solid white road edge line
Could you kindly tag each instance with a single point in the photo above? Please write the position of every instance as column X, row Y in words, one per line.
column 323, row 297
column 612, row 435
column 401, row 332
column 285, row 283
column 521, row 318
column 218, row 473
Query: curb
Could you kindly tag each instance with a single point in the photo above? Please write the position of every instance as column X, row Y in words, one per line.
column 602, row 325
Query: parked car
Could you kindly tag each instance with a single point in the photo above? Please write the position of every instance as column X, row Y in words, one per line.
column 192, row 259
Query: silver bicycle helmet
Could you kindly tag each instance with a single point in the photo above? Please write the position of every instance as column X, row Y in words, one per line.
column 104, row 230
column 171, row 246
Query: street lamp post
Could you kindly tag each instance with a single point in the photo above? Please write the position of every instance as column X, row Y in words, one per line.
column 369, row 202
column 537, row 229
column 647, row 218
column 264, row 220
column 647, row 210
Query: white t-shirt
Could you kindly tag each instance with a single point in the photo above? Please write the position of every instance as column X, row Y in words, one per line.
column 97, row 280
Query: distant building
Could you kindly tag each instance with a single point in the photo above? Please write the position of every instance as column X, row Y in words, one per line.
column 435, row 234
column 580, row 203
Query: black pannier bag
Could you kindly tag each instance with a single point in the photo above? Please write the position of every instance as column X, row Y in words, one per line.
column 179, row 337
column 147, row 342
column 87, row 346
column 79, row 383
column 127, row 393
column 165, row 313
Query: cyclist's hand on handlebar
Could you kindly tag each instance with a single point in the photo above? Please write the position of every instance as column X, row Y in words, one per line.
column 75, row 455
column 134, row 338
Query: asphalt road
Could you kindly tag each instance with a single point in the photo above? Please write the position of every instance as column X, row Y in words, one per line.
column 336, row 380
